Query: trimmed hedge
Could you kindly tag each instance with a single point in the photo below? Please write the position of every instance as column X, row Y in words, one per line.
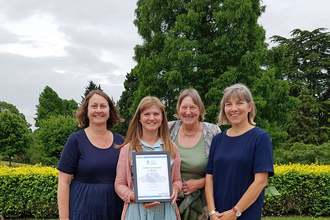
column 304, row 189
column 32, row 191
column 28, row 191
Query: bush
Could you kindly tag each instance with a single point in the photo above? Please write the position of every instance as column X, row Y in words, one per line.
column 303, row 154
column 304, row 189
column 31, row 191
column 28, row 191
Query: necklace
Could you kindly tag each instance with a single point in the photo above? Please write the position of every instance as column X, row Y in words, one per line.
column 190, row 134
column 103, row 142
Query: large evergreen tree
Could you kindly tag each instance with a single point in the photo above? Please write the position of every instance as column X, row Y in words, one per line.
column 207, row 45
column 304, row 127
column 310, row 54
column 91, row 86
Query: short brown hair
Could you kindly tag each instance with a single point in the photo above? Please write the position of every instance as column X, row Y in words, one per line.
column 242, row 92
column 81, row 113
column 193, row 94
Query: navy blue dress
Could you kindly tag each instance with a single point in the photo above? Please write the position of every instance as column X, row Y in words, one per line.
column 92, row 192
column 233, row 161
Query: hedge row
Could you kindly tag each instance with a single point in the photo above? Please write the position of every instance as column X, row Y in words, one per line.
column 31, row 191
column 28, row 191
column 304, row 189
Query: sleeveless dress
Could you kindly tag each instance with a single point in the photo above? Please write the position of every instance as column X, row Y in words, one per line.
column 92, row 193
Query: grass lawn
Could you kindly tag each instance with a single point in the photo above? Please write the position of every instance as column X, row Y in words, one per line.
column 13, row 164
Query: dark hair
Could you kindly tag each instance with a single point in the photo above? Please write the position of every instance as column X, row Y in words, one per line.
column 81, row 113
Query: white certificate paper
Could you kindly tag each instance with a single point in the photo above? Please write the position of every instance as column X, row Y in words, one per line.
column 152, row 176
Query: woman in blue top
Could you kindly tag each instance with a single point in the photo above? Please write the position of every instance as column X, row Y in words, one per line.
column 240, row 160
column 87, row 168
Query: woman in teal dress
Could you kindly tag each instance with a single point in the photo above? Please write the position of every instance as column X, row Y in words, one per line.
column 148, row 131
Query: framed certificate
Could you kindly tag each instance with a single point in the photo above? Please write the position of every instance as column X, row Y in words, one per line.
column 152, row 176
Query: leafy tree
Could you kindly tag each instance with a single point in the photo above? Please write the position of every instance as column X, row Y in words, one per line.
column 90, row 87
column 304, row 127
column 126, row 100
column 11, row 108
column 310, row 67
column 70, row 107
column 15, row 136
column 49, row 104
column 208, row 45
column 53, row 134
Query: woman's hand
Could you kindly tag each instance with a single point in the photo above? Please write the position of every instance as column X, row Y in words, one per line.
column 215, row 216
column 228, row 215
column 192, row 185
column 132, row 198
column 150, row 205
column 174, row 196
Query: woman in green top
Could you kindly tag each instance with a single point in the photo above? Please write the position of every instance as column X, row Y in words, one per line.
column 193, row 138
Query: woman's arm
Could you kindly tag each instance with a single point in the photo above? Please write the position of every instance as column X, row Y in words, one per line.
column 250, row 196
column 192, row 185
column 63, row 194
column 209, row 196
column 122, row 187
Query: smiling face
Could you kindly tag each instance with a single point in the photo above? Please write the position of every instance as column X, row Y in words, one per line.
column 98, row 110
column 237, row 110
column 151, row 118
column 188, row 112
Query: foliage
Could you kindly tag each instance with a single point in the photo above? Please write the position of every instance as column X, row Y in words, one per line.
column 49, row 104
column 304, row 127
column 304, row 154
column 15, row 136
column 305, row 190
column 70, row 107
column 126, row 100
column 28, row 191
column 310, row 67
column 90, row 87
column 11, row 108
column 53, row 135
column 207, row 45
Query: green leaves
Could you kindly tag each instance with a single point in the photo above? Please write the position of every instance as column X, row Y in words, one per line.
column 15, row 136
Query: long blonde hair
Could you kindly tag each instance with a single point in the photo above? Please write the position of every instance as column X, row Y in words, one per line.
column 134, row 132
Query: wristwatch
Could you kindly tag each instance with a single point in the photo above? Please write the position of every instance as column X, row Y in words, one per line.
column 212, row 212
column 237, row 213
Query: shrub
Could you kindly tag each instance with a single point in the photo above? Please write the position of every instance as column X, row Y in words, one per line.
column 28, row 191
column 31, row 191
column 304, row 189
column 303, row 154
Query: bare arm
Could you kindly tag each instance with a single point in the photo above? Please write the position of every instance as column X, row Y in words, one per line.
column 250, row 196
column 63, row 194
column 209, row 196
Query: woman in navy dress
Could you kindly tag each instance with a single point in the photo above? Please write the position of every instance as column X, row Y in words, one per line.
column 240, row 160
column 87, row 168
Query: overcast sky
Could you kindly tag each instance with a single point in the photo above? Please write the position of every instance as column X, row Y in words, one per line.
column 64, row 44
